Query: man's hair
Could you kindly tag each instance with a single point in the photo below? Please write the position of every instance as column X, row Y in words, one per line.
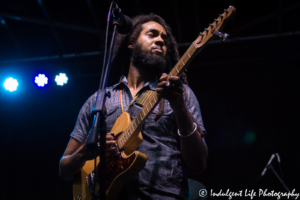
column 121, row 60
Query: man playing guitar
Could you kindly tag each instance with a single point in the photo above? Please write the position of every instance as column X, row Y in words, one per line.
column 173, row 134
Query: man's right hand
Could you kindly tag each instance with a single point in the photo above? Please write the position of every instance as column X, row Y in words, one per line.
column 76, row 154
column 89, row 155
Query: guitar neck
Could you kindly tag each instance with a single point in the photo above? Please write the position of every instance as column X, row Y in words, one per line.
column 184, row 61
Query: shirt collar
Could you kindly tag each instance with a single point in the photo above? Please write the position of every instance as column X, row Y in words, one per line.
column 151, row 84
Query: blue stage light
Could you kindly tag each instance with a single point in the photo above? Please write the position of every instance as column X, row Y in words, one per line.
column 61, row 79
column 41, row 80
column 11, row 84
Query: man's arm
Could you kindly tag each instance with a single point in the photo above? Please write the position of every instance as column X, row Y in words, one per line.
column 75, row 156
column 72, row 160
column 193, row 147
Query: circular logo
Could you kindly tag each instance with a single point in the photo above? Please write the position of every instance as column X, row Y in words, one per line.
column 202, row 192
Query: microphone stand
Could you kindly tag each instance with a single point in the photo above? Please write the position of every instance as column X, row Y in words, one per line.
column 99, row 116
column 281, row 181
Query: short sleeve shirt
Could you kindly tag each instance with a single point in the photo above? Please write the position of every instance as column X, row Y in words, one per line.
column 164, row 176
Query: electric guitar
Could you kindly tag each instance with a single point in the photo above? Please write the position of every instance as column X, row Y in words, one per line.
column 125, row 162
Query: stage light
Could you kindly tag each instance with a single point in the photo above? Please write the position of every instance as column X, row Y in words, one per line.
column 61, row 79
column 11, row 84
column 41, row 80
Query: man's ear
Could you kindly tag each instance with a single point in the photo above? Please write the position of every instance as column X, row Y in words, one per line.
column 130, row 46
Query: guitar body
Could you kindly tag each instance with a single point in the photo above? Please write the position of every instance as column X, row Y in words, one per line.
column 119, row 166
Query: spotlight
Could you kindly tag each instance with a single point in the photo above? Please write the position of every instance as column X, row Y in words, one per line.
column 61, row 79
column 11, row 84
column 41, row 80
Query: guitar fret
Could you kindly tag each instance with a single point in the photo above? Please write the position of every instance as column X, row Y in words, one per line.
column 132, row 127
column 138, row 120
column 188, row 54
column 141, row 118
column 128, row 129
column 125, row 136
column 194, row 45
column 135, row 124
column 147, row 108
column 144, row 112
column 130, row 132
column 182, row 62
column 150, row 103
column 121, row 141
column 128, row 135
column 154, row 98
column 177, row 69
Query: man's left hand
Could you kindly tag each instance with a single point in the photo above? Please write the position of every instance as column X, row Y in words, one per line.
column 173, row 93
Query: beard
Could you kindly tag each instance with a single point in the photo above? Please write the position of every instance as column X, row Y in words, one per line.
column 151, row 64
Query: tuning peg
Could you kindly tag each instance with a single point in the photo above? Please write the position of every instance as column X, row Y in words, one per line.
column 216, row 20
column 211, row 24
column 221, row 15
column 206, row 29
column 221, row 35
column 201, row 33
column 226, row 10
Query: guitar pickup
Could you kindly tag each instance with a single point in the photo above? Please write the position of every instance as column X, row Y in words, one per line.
column 221, row 35
column 117, row 150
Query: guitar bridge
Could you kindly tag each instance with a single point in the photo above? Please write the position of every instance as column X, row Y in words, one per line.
column 221, row 35
column 78, row 197
column 91, row 181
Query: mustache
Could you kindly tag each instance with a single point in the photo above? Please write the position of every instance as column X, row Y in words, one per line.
column 157, row 47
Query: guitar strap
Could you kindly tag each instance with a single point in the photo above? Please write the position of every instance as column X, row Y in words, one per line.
column 144, row 97
column 141, row 101
column 121, row 101
column 136, row 103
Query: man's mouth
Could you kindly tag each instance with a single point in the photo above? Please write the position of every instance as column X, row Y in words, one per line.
column 157, row 49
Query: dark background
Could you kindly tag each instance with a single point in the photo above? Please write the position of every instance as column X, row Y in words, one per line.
column 247, row 87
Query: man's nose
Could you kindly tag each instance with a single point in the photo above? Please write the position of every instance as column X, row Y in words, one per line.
column 159, row 41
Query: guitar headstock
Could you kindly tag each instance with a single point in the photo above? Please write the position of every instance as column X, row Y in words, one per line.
column 214, row 28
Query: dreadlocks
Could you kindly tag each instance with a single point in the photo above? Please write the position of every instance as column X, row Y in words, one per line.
column 121, row 60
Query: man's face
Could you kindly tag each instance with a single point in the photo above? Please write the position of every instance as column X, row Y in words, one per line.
column 152, row 39
column 149, row 51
